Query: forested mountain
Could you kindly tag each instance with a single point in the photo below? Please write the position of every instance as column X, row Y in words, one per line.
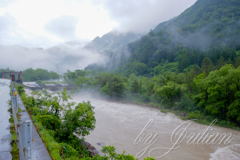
column 114, row 46
column 73, row 55
column 67, row 55
column 111, row 41
column 213, row 22
column 209, row 28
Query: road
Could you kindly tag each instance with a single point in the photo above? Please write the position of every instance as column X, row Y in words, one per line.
column 5, row 135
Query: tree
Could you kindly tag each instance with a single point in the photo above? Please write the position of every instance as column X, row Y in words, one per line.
column 81, row 81
column 220, row 62
column 135, row 86
column 207, row 65
column 237, row 62
column 102, row 79
column 138, row 68
column 218, row 93
column 20, row 90
column 80, row 120
column 38, row 74
column 170, row 92
column 115, row 86
column 229, row 61
column 185, row 61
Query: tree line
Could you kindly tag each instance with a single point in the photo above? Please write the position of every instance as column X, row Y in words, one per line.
column 39, row 74
column 207, row 91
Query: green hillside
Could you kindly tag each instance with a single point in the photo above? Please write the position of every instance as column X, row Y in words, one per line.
column 218, row 19
column 210, row 28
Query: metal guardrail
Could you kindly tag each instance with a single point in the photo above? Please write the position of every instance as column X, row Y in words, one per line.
column 23, row 130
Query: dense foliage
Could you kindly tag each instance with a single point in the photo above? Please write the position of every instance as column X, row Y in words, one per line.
column 149, row 59
column 218, row 94
column 54, row 113
column 38, row 74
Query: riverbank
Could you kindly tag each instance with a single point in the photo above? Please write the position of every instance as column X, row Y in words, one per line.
column 184, row 115
column 53, row 86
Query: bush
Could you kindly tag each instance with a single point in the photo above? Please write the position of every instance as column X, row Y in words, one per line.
column 20, row 90
column 194, row 115
column 51, row 122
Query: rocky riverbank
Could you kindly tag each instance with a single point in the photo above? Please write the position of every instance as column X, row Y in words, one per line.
column 53, row 87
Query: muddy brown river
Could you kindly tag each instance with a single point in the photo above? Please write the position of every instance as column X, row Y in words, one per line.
column 143, row 131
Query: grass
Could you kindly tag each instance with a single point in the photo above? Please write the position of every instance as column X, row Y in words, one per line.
column 11, row 120
column 52, row 146
column 14, row 136
column 19, row 110
column 15, row 150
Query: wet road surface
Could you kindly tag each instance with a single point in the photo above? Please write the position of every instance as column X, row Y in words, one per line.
column 5, row 136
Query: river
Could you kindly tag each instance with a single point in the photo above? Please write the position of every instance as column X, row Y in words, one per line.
column 144, row 131
column 119, row 124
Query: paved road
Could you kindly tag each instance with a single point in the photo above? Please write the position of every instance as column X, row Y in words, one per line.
column 5, row 135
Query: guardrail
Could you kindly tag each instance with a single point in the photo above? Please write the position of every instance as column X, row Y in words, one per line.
column 23, row 130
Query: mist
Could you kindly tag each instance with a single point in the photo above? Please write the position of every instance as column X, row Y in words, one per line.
column 63, row 27
column 142, row 15
column 59, row 58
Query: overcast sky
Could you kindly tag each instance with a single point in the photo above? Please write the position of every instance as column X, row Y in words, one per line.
column 44, row 23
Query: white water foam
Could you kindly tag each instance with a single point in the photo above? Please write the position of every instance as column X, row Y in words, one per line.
column 231, row 152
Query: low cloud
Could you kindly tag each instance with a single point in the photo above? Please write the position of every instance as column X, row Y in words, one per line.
column 63, row 27
column 8, row 29
column 20, row 58
column 143, row 15
column 69, row 57
column 72, row 57
column 12, row 34
column 4, row 3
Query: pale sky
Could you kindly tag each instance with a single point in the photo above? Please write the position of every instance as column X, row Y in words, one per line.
column 44, row 23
